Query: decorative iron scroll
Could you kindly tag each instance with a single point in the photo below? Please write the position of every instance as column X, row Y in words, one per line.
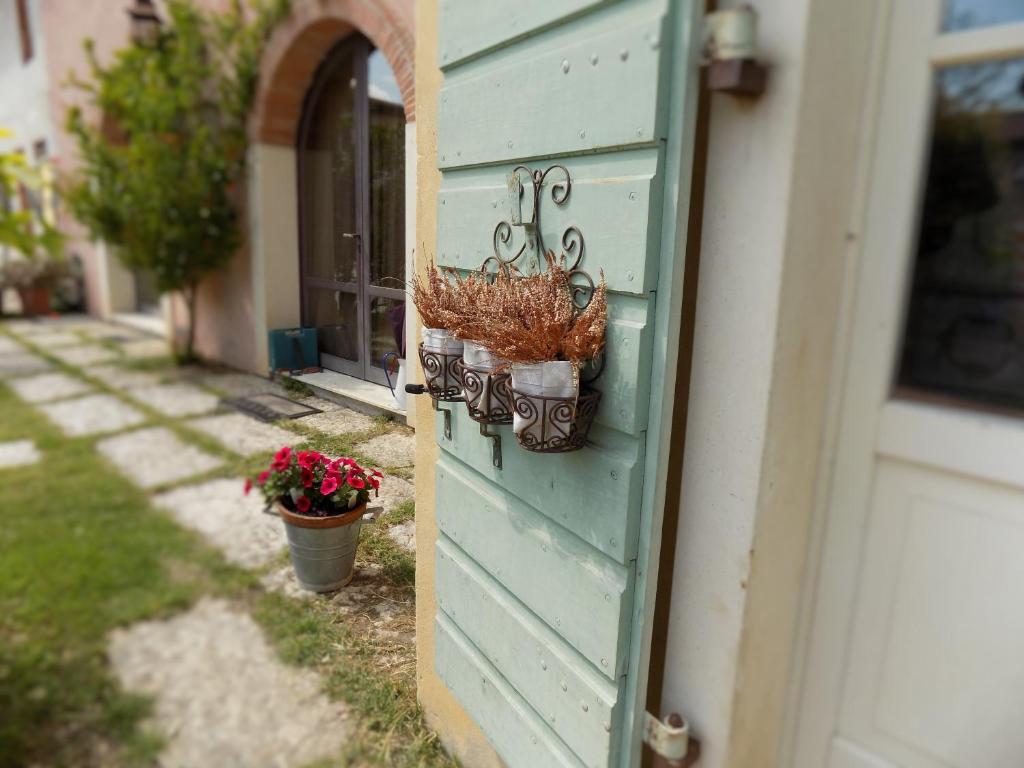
column 488, row 395
column 555, row 424
column 573, row 247
column 443, row 374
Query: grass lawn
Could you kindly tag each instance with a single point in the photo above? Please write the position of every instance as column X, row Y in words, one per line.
column 81, row 552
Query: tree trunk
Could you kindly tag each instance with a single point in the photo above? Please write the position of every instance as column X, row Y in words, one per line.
column 189, row 292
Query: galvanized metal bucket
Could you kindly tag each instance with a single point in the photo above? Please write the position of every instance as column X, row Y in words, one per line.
column 323, row 549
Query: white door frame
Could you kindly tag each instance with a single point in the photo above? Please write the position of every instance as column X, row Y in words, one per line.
column 870, row 422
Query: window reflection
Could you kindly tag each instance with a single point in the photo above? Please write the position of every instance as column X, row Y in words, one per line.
column 970, row 14
column 965, row 327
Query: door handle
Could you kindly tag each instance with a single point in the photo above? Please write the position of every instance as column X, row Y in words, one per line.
column 351, row 235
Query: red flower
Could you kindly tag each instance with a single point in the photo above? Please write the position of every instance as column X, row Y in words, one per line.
column 374, row 482
column 329, row 485
column 376, row 473
column 355, row 481
column 282, row 460
column 305, row 460
column 284, row 454
column 303, row 504
column 263, row 477
column 307, row 478
column 248, row 486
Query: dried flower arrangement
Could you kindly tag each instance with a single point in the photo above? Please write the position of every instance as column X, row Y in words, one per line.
column 437, row 299
column 532, row 318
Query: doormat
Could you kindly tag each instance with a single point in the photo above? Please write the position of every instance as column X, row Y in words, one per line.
column 270, row 407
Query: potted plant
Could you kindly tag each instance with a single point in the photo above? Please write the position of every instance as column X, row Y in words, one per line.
column 34, row 279
column 441, row 307
column 321, row 502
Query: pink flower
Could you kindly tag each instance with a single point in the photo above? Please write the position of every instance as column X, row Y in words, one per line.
column 329, row 485
column 307, row 478
column 248, row 486
column 355, row 481
column 304, row 459
column 263, row 477
column 303, row 504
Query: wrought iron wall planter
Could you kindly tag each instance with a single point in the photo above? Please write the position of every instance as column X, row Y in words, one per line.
column 443, row 374
column 555, row 424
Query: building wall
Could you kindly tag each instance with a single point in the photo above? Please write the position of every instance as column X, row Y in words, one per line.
column 259, row 288
column 782, row 180
column 24, row 107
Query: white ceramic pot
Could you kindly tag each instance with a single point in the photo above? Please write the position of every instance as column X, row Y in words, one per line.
column 549, row 379
column 441, row 340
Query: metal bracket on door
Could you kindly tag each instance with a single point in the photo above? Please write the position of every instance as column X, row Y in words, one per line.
column 495, row 445
column 670, row 741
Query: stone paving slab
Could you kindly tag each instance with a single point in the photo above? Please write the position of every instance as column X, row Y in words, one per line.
column 144, row 347
column 244, row 435
column 175, row 400
column 236, row 384
column 9, row 346
column 155, row 456
column 92, row 415
column 18, row 453
column 85, row 354
column 124, row 378
column 404, row 535
column 334, row 421
column 53, row 339
column 28, row 327
column 223, row 697
column 394, row 449
column 48, row 386
column 393, row 491
column 231, row 521
column 17, row 363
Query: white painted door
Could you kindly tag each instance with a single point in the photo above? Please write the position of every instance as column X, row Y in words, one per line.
column 916, row 651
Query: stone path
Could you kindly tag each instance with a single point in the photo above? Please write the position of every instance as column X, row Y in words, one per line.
column 178, row 399
column 85, row 354
column 394, row 449
column 155, row 456
column 48, row 386
column 228, row 519
column 222, row 695
column 16, row 363
column 244, row 435
column 18, row 453
column 92, row 415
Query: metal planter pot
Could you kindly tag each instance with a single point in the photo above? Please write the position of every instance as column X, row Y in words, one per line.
column 323, row 549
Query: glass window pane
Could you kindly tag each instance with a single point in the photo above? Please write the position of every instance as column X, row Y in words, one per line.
column 335, row 315
column 387, row 328
column 387, row 175
column 328, row 156
column 964, row 334
column 969, row 14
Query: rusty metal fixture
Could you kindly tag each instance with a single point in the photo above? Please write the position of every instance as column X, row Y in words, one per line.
column 555, row 424
column 443, row 374
column 581, row 284
column 488, row 395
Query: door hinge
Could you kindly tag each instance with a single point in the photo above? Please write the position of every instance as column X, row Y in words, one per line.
column 670, row 741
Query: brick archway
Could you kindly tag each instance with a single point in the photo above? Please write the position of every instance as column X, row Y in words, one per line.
column 299, row 45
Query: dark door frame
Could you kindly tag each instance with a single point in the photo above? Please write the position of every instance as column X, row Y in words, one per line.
column 360, row 48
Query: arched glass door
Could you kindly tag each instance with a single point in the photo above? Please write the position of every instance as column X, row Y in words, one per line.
column 351, row 154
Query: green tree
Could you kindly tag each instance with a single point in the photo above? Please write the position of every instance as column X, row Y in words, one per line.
column 160, row 170
column 27, row 230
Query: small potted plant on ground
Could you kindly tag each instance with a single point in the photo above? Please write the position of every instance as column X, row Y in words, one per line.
column 321, row 502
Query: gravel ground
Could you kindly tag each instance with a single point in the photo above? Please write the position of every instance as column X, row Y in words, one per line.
column 223, row 698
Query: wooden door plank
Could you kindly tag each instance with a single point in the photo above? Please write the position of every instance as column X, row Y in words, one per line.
column 517, row 732
column 582, row 108
column 561, row 686
column 581, row 594
column 593, row 493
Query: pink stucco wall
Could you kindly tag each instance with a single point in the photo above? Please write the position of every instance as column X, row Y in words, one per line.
column 226, row 304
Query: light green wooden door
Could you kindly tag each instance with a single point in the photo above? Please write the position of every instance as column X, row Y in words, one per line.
column 543, row 585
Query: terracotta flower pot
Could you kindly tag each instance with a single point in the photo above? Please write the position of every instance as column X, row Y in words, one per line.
column 34, row 300
column 323, row 549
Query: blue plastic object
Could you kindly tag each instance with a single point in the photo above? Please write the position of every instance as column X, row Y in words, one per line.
column 293, row 349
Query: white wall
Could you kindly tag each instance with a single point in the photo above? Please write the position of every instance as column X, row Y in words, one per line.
column 24, row 87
